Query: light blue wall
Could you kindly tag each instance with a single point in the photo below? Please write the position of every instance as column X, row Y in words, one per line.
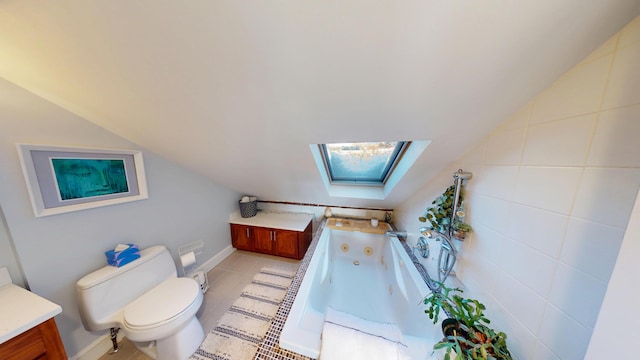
column 7, row 254
column 55, row 251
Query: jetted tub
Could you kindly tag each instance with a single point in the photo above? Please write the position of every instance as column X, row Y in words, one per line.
column 366, row 275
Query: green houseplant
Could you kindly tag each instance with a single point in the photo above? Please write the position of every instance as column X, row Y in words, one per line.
column 440, row 215
column 467, row 332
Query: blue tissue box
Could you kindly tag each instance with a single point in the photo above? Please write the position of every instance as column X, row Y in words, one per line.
column 119, row 258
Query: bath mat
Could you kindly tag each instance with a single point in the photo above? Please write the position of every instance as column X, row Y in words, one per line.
column 241, row 329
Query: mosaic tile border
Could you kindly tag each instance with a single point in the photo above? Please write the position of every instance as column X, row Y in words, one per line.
column 269, row 348
column 423, row 272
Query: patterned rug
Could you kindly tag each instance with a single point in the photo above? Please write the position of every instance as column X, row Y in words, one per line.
column 242, row 328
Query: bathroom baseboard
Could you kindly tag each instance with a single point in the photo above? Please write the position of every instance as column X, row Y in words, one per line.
column 97, row 348
column 217, row 259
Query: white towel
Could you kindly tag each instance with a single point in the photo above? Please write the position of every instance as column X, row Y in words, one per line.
column 345, row 336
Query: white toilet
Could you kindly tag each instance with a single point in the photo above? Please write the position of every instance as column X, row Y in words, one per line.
column 154, row 308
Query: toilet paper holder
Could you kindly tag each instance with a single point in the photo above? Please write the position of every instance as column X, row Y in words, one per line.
column 189, row 264
column 201, row 278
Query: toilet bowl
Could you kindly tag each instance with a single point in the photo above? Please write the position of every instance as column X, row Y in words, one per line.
column 145, row 299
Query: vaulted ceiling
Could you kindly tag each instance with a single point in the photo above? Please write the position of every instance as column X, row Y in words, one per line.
column 237, row 90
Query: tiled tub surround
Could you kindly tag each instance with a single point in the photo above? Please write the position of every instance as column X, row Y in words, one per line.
column 270, row 349
column 551, row 194
column 367, row 275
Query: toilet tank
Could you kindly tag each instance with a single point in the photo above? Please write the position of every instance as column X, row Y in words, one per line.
column 104, row 293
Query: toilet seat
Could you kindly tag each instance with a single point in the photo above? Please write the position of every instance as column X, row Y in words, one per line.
column 162, row 304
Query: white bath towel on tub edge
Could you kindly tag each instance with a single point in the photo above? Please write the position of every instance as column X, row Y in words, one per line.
column 346, row 337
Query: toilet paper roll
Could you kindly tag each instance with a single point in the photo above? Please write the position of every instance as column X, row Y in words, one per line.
column 188, row 259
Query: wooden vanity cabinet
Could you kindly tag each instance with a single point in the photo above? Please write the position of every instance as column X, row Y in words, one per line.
column 264, row 241
column 279, row 242
column 287, row 244
column 242, row 237
column 40, row 342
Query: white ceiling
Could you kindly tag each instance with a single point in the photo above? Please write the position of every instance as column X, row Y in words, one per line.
column 237, row 90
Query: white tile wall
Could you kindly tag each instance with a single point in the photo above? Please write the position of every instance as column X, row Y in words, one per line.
column 615, row 142
column 591, row 247
column 631, row 33
column 481, row 273
column 624, row 82
column 530, row 266
column 499, row 182
column 521, row 341
column 549, row 188
column 607, row 48
column 543, row 353
column 504, row 147
column 542, row 234
column 577, row 294
column 565, row 337
column 548, row 143
column 485, row 243
column 549, row 202
column 489, row 211
column 606, row 195
column 518, row 120
column 519, row 300
column 576, row 93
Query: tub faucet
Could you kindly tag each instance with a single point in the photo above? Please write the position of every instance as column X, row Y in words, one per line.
column 396, row 233
column 431, row 234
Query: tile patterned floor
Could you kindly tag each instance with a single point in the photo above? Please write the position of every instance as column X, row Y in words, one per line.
column 226, row 282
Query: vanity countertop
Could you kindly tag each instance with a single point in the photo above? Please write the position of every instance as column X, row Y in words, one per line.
column 20, row 310
column 276, row 220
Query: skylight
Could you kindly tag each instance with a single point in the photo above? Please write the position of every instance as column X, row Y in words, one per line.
column 362, row 163
column 367, row 170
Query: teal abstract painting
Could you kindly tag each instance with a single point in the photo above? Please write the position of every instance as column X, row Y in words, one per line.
column 84, row 178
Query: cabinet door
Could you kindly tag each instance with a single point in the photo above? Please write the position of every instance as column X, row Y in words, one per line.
column 287, row 243
column 242, row 237
column 40, row 342
column 263, row 240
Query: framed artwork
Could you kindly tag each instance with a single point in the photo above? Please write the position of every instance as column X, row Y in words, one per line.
column 64, row 179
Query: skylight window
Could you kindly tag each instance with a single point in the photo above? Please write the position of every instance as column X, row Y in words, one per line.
column 362, row 163
column 365, row 170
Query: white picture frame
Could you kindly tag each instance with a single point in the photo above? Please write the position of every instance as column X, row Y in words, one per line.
column 63, row 179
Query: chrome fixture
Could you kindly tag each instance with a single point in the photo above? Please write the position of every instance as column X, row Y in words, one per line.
column 423, row 247
column 396, row 233
column 458, row 176
column 446, row 260
column 448, row 253
column 432, row 234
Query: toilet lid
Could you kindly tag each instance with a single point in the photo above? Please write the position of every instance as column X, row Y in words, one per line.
column 162, row 303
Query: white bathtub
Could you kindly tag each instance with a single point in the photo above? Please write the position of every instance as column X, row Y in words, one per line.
column 383, row 287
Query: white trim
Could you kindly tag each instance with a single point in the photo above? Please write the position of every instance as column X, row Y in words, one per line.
column 217, row 259
column 33, row 187
column 97, row 348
